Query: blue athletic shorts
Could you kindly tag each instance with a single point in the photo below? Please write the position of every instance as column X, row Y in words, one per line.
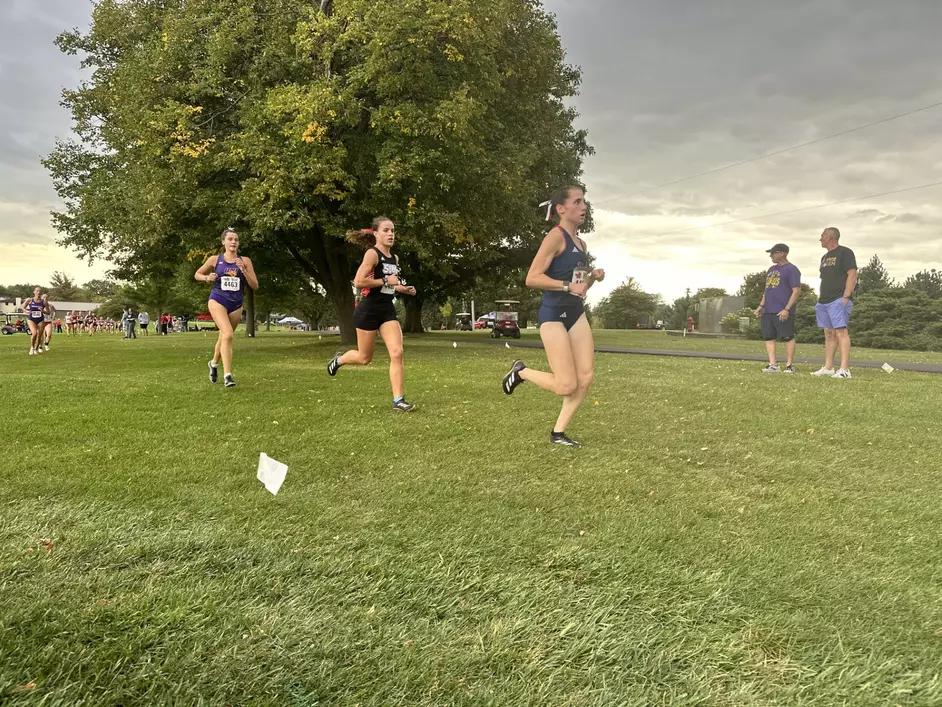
column 230, row 305
column 567, row 316
column 834, row 315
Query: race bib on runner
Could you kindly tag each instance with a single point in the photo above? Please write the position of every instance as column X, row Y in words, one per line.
column 579, row 274
column 389, row 269
column 230, row 284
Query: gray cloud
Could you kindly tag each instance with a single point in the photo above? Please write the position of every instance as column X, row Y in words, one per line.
column 670, row 89
column 675, row 88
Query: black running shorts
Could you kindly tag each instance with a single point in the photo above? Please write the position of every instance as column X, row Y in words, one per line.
column 774, row 328
column 370, row 316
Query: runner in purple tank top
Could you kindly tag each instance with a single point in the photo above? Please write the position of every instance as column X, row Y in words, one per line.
column 229, row 274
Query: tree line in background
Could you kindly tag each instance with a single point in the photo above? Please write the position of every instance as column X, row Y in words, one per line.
column 887, row 314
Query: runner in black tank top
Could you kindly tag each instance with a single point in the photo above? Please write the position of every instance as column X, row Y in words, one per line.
column 560, row 268
column 378, row 281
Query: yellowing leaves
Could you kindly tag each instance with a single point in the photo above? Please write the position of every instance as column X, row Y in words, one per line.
column 314, row 133
column 452, row 54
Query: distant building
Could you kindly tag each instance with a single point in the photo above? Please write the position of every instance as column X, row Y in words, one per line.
column 713, row 309
column 12, row 306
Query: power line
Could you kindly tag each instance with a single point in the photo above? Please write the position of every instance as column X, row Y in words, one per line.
column 771, row 154
column 794, row 211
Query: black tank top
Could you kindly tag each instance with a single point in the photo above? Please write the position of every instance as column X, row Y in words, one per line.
column 386, row 266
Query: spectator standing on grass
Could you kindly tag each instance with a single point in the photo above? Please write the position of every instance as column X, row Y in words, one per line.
column 834, row 307
column 132, row 323
column 144, row 320
column 777, row 308
column 124, row 322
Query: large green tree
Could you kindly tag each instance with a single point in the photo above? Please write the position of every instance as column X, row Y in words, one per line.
column 752, row 288
column 626, row 306
column 63, row 288
column 872, row 277
column 293, row 121
column 927, row 281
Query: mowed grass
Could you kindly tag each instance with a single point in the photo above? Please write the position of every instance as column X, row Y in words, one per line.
column 724, row 537
column 660, row 340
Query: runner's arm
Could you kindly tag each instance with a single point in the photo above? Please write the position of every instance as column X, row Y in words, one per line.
column 549, row 249
column 249, row 273
column 203, row 274
column 364, row 278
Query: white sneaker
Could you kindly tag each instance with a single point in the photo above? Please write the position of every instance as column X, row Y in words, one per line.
column 829, row 372
column 772, row 368
column 47, row 347
column 32, row 352
column 843, row 373
column 39, row 350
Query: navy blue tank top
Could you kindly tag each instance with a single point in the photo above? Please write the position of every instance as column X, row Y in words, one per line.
column 36, row 310
column 230, row 280
column 385, row 266
column 572, row 265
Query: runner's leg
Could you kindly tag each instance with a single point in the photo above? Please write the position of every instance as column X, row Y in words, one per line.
column 563, row 380
column 583, row 355
column 392, row 337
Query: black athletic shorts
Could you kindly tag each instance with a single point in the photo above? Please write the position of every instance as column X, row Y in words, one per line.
column 370, row 316
column 774, row 328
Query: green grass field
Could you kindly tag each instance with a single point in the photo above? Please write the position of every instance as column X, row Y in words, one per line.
column 723, row 538
column 659, row 340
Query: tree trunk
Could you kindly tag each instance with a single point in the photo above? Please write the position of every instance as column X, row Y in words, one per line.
column 413, row 323
column 250, row 312
column 341, row 296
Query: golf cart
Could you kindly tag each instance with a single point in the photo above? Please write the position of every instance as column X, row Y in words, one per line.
column 463, row 321
column 505, row 320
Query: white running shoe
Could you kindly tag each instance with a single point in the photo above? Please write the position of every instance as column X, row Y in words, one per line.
column 47, row 347
column 842, row 373
column 32, row 352
column 39, row 350
column 829, row 372
column 772, row 368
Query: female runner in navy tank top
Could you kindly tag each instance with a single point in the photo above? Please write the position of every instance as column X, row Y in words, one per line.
column 561, row 270
column 229, row 274
column 379, row 282
column 36, row 308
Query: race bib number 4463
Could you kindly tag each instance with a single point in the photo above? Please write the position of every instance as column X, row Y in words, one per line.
column 230, row 284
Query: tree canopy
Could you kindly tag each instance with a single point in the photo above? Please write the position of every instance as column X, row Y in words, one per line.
column 293, row 122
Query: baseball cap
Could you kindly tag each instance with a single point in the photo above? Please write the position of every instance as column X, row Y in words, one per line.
column 778, row 248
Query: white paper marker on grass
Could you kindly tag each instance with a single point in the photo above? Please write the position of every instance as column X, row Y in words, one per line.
column 271, row 472
column 455, row 344
column 507, row 345
column 888, row 368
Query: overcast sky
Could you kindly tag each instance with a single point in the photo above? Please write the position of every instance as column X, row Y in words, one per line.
column 670, row 89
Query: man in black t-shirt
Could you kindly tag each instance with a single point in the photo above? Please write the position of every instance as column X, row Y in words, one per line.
column 838, row 281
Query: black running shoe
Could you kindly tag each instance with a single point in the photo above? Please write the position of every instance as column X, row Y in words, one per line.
column 229, row 380
column 403, row 406
column 334, row 364
column 213, row 373
column 513, row 379
column 561, row 438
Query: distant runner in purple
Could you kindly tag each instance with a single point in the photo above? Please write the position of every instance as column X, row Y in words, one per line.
column 229, row 273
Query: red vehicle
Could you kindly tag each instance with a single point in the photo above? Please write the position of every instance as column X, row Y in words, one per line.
column 505, row 320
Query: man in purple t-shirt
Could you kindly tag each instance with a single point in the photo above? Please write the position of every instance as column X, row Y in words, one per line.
column 777, row 309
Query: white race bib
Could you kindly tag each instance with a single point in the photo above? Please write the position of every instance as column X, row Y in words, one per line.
column 389, row 269
column 230, row 284
column 579, row 275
